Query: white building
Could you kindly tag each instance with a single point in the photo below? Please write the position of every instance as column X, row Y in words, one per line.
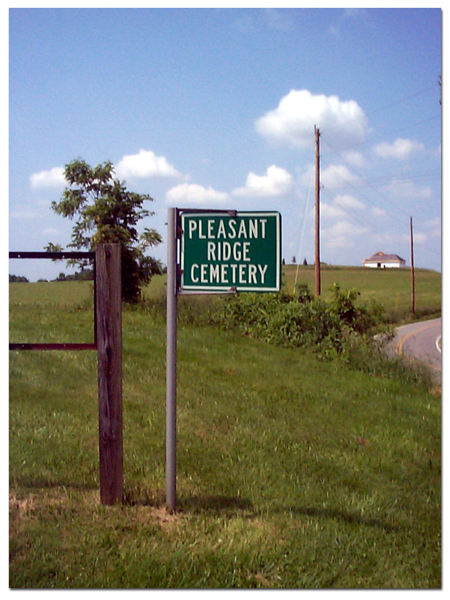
column 380, row 260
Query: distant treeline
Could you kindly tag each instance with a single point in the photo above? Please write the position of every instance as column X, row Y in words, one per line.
column 85, row 275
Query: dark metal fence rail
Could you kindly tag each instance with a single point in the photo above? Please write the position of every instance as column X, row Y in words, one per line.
column 108, row 343
column 59, row 346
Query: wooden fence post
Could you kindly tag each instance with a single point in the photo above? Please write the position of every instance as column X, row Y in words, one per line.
column 109, row 350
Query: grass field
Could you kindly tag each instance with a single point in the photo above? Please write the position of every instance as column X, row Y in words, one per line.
column 292, row 472
column 390, row 287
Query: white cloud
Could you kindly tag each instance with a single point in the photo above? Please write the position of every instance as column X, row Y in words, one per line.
column 405, row 238
column 390, row 240
column 337, row 209
column 420, row 238
column 192, row 193
column 145, row 164
column 276, row 182
column 329, row 211
column 44, row 179
column 293, row 121
column 409, row 190
column 305, row 176
column 346, row 201
column 400, row 149
column 354, row 158
column 337, row 176
column 341, row 235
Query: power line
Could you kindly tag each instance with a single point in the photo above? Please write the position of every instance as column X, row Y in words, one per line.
column 370, row 226
column 300, row 244
column 366, row 182
column 384, row 180
column 390, row 132
column 350, row 185
column 383, row 108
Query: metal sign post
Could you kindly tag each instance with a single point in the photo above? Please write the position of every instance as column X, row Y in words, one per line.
column 221, row 252
column 171, row 359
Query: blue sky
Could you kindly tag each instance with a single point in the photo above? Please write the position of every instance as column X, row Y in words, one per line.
column 217, row 107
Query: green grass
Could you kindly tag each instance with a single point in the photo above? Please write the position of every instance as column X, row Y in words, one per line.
column 53, row 312
column 389, row 287
column 292, row 473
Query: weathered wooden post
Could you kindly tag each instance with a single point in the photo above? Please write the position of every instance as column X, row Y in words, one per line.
column 109, row 350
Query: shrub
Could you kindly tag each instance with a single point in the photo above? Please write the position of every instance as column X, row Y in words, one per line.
column 338, row 328
column 296, row 321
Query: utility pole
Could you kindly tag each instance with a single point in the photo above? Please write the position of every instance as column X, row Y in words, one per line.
column 317, row 214
column 413, row 293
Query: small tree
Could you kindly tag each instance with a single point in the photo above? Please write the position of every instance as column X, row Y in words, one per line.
column 107, row 212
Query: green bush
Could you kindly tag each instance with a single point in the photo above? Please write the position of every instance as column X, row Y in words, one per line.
column 337, row 328
column 302, row 320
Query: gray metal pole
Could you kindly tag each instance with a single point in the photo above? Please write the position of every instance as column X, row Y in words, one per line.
column 171, row 360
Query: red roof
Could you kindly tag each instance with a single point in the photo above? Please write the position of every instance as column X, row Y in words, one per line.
column 382, row 257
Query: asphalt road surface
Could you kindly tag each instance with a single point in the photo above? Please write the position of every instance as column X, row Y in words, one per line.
column 422, row 341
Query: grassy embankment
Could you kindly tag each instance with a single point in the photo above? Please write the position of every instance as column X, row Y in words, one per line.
column 292, row 472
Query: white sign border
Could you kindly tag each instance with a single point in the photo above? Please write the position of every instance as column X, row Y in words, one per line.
column 218, row 289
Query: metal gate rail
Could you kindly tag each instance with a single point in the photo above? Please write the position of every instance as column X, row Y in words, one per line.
column 59, row 346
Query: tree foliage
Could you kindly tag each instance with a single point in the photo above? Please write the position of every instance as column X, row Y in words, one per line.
column 105, row 211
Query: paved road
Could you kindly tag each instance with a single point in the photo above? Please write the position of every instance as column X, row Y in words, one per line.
column 421, row 340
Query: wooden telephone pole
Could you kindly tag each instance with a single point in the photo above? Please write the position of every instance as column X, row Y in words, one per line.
column 317, row 215
column 413, row 292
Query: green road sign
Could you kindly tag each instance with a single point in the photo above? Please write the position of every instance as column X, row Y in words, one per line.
column 226, row 250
